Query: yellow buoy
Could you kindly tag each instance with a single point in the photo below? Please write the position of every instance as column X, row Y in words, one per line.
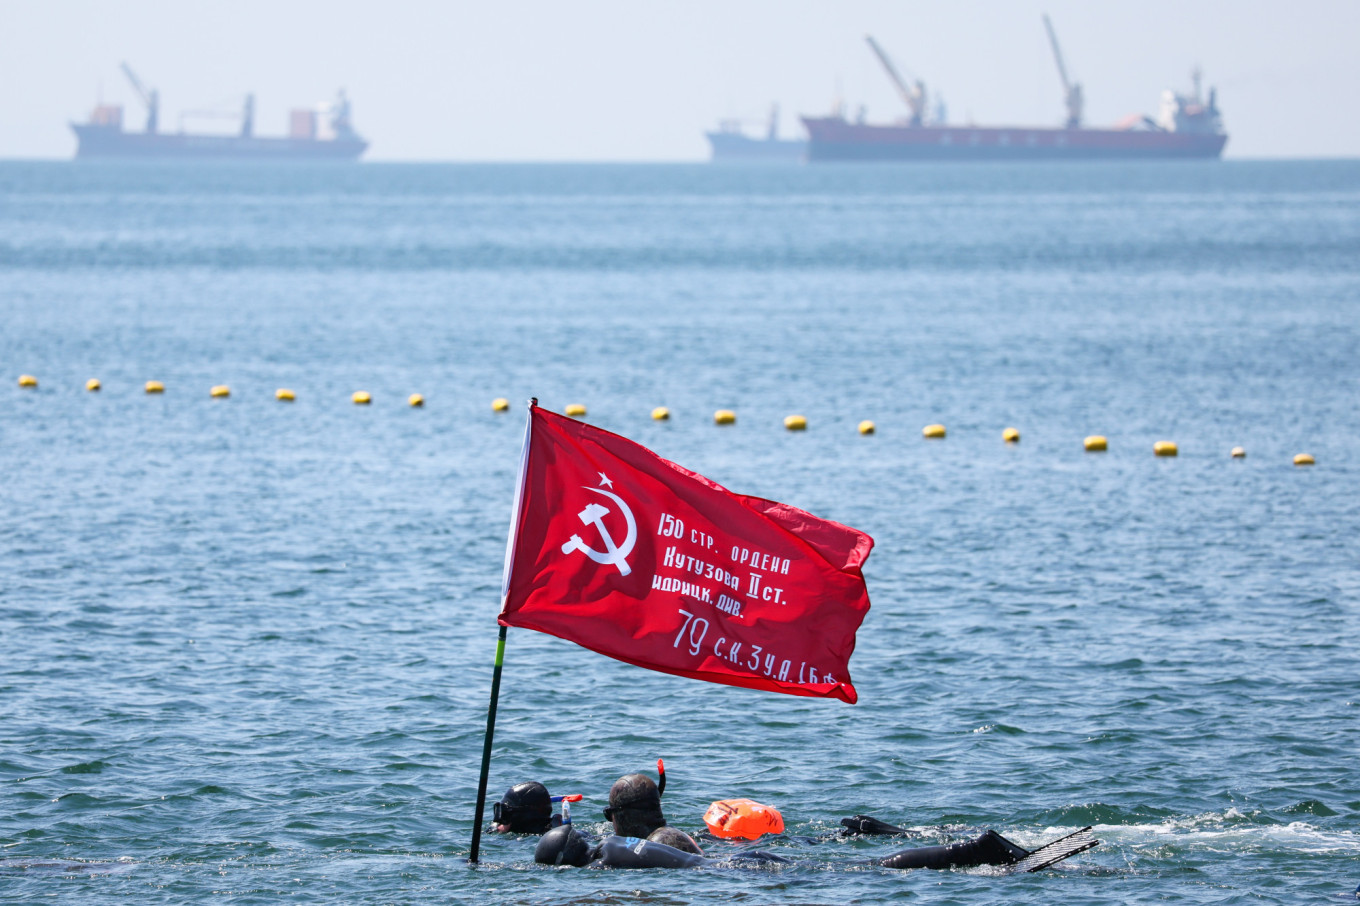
column 795, row 422
column 1165, row 448
column 661, row 413
column 1011, row 436
column 724, row 417
column 1096, row 443
column 867, row 427
column 283, row 393
column 500, row 404
column 221, row 390
column 934, row 432
column 155, row 387
column 27, row 380
column 362, row 397
column 575, row 410
column 93, row 384
column 1239, row 453
column 415, row 400
column 1303, row 459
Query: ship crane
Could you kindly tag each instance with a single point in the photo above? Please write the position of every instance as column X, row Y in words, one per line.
column 151, row 98
column 1072, row 96
column 914, row 96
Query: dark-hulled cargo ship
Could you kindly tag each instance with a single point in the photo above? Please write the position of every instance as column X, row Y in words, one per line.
column 1188, row 126
column 321, row 133
column 731, row 145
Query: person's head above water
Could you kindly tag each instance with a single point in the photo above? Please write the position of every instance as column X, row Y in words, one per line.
column 634, row 806
column 526, row 808
column 676, row 838
column 562, row 846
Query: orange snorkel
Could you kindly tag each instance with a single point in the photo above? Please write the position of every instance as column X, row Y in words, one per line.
column 661, row 777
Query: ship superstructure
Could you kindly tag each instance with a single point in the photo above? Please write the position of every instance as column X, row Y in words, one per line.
column 324, row 132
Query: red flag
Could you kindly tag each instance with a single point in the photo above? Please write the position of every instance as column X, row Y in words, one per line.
column 632, row 556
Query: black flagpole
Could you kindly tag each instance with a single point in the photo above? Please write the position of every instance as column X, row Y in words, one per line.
column 500, row 645
column 486, row 747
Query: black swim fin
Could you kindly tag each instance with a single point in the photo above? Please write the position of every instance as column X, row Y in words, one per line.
column 1054, row 852
column 1013, row 852
column 863, row 824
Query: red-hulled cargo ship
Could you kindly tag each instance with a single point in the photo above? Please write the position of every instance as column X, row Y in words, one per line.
column 833, row 138
column 1188, row 126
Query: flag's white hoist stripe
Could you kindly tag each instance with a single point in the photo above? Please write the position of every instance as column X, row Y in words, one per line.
column 519, row 496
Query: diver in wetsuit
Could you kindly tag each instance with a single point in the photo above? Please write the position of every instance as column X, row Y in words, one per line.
column 635, row 806
column 566, row 846
column 988, row 849
column 526, row 808
column 635, row 811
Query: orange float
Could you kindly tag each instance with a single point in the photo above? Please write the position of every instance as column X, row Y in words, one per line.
column 743, row 818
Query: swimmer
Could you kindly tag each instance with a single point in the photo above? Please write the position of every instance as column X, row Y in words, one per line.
column 635, row 811
column 526, row 808
column 634, row 806
column 988, row 849
column 566, row 846
column 676, row 838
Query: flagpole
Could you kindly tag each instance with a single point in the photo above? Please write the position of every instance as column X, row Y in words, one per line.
column 486, row 746
column 500, row 643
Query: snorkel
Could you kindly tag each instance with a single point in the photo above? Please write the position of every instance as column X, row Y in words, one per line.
column 661, row 778
column 566, row 805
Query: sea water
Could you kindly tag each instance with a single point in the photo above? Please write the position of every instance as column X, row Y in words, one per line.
column 246, row 645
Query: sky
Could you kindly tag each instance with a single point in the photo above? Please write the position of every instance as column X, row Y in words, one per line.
column 641, row 80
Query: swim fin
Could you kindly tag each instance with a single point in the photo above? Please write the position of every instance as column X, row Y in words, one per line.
column 1054, row 852
column 1008, row 853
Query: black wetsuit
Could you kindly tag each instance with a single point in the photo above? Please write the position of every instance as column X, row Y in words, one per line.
column 567, row 846
column 988, row 849
column 630, row 852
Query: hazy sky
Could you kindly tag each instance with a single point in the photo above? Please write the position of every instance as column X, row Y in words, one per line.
column 512, row 80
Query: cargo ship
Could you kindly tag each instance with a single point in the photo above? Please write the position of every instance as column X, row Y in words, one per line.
column 1187, row 126
column 730, row 144
column 321, row 133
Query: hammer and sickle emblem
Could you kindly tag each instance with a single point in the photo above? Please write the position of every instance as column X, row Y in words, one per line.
column 613, row 554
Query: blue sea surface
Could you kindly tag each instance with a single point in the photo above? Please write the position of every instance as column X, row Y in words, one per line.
column 246, row 645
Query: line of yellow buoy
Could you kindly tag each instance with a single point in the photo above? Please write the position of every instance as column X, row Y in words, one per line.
column 1096, row 443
